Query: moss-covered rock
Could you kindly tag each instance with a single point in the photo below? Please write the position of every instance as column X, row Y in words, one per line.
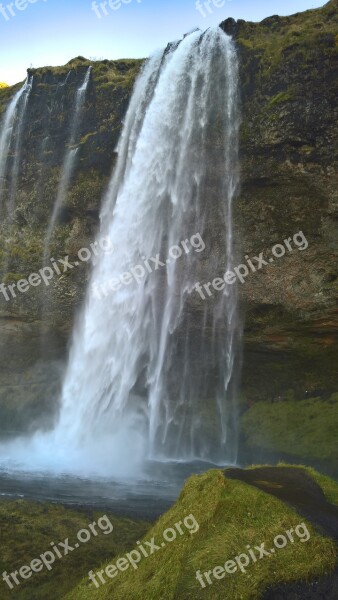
column 231, row 515
column 27, row 530
column 305, row 429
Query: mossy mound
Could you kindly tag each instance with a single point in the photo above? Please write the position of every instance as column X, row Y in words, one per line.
column 304, row 429
column 231, row 515
column 28, row 528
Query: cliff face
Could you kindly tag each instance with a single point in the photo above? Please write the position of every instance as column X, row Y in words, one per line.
column 289, row 183
column 35, row 326
column 288, row 161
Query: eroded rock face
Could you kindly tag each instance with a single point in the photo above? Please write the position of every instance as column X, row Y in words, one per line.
column 35, row 326
column 288, row 161
column 289, row 184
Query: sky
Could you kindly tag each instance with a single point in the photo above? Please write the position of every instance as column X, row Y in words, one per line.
column 52, row 32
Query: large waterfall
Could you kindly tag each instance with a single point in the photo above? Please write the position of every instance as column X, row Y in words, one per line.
column 152, row 366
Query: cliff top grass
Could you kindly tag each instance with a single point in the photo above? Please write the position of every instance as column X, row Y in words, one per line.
column 302, row 33
column 6, row 92
column 106, row 73
column 81, row 64
column 305, row 429
column 231, row 515
column 28, row 528
column 119, row 73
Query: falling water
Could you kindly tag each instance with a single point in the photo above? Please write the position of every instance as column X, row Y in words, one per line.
column 69, row 160
column 46, row 145
column 152, row 366
column 11, row 130
column 18, row 145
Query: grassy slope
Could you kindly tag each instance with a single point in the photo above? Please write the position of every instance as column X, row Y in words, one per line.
column 299, row 33
column 27, row 528
column 231, row 515
column 307, row 428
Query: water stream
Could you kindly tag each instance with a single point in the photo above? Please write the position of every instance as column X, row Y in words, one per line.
column 69, row 160
column 11, row 133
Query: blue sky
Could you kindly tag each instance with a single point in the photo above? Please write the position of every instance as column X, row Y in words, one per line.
column 51, row 32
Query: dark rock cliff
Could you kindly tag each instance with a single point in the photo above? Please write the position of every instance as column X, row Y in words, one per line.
column 289, row 183
column 288, row 159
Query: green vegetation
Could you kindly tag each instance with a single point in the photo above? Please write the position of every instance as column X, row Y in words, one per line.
column 280, row 98
column 6, row 93
column 27, row 528
column 12, row 277
column 231, row 515
column 116, row 74
column 306, row 428
column 119, row 73
column 301, row 34
column 23, row 252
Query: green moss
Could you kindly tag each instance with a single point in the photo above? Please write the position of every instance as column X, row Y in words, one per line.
column 6, row 94
column 306, row 429
column 87, row 137
column 231, row 515
column 118, row 71
column 86, row 190
column 23, row 252
column 12, row 277
column 280, row 98
column 28, row 528
column 302, row 34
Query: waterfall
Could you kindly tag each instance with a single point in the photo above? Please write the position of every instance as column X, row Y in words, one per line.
column 152, row 366
column 57, row 105
column 69, row 160
column 18, row 145
column 11, row 133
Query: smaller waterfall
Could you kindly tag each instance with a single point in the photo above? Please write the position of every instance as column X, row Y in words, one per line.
column 18, row 145
column 69, row 160
column 12, row 128
column 57, row 106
